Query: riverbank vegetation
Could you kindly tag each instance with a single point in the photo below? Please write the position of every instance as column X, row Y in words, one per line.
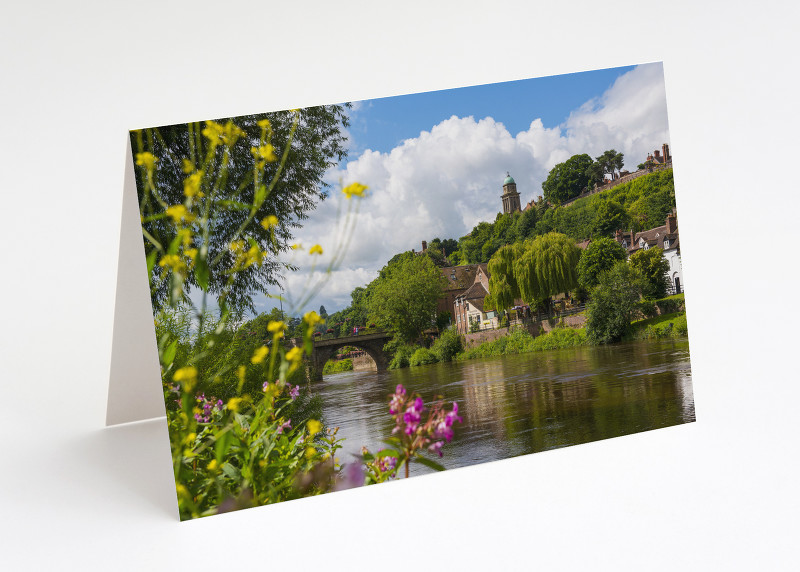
column 337, row 366
column 218, row 203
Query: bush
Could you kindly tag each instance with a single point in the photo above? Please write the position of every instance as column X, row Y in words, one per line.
column 332, row 366
column 648, row 308
column 447, row 346
column 402, row 355
column 669, row 305
column 666, row 326
column 614, row 304
column 422, row 356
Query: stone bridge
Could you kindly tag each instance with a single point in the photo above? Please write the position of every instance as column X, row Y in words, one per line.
column 372, row 343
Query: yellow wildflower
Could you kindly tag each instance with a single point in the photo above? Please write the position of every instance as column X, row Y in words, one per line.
column 269, row 222
column 146, row 160
column 310, row 452
column 264, row 154
column 188, row 166
column 264, row 124
column 237, row 246
column 179, row 213
column 240, row 371
column 294, row 357
column 186, row 376
column 233, row 403
column 356, row 189
column 297, row 246
column 192, row 183
column 172, row 261
column 316, row 249
column 276, row 327
column 189, row 438
column 191, row 253
column 312, row 318
column 259, row 354
column 212, row 466
column 314, row 427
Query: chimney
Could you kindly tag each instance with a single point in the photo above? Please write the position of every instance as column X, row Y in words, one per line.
column 665, row 150
column 619, row 235
column 672, row 223
column 424, row 246
column 657, row 153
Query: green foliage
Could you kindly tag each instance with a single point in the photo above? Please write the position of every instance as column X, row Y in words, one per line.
column 519, row 341
column 610, row 162
column 652, row 266
column 601, row 255
column 337, row 366
column 613, row 304
column 566, row 180
column 503, row 285
column 219, row 154
column 664, row 326
column 547, row 266
column 671, row 304
column 443, row 320
column 402, row 356
column 610, row 216
column 447, row 346
column 403, row 298
column 422, row 356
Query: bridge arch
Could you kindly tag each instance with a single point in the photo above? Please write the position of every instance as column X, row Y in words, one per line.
column 371, row 343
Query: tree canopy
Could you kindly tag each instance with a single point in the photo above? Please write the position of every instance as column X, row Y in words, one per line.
column 566, row 180
column 610, row 162
column 653, row 268
column 547, row 266
column 600, row 256
column 189, row 156
column 403, row 298
column 503, row 287
column 614, row 303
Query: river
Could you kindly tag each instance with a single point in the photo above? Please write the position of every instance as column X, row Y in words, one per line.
column 520, row 404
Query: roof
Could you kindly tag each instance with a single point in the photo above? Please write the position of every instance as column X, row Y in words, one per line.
column 509, row 181
column 461, row 277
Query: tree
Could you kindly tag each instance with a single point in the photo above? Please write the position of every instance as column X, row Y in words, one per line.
column 610, row 216
column 613, row 304
column 601, row 255
column 652, row 267
column 226, row 156
column 547, row 266
column 566, row 180
column 611, row 162
column 403, row 298
column 503, row 287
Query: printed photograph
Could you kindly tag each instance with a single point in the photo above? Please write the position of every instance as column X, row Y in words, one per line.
column 357, row 293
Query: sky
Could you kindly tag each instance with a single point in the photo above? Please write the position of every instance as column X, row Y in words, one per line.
column 435, row 164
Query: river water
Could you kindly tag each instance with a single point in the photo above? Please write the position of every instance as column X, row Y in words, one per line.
column 520, row 404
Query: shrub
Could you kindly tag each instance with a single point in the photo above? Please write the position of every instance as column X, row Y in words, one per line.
column 332, row 366
column 422, row 356
column 614, row 304
column 669, row 305
column 647, row 308
column 447, row 346
column 401, row 358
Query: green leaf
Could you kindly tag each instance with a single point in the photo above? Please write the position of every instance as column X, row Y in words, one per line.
column 169, row 354
column 428, row 463
column 201, row 272
column 151, row 262
column 221, row 448
column 261, row 194
column 387, row 453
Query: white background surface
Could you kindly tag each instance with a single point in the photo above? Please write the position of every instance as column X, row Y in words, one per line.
column 718, row 494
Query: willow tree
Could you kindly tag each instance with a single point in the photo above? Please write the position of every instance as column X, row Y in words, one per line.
column 547, row 266
column 503, row 287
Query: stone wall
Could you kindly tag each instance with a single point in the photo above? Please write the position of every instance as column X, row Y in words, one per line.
column 363, row 363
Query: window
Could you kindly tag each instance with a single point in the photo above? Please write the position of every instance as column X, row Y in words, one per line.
column 624, row 244
column 666, row 243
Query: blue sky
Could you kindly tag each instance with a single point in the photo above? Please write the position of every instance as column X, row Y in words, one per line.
column 435, row 162
column 382, row 124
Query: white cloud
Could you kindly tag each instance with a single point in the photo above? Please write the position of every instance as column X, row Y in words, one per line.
column 446, row 180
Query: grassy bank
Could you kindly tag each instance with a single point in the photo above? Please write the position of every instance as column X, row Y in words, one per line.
column 519, row 341
column 665, row 326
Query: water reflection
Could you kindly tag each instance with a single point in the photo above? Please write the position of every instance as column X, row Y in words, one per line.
column 517, row 405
